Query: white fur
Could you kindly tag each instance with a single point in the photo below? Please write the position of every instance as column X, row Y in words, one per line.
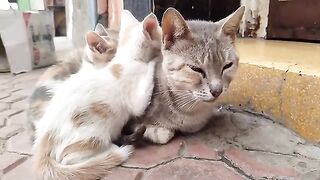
column 158, row 135
column 126, row 95
column 255, row 8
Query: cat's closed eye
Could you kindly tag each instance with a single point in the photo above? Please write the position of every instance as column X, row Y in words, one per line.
column 197, row 69
column 227, row 66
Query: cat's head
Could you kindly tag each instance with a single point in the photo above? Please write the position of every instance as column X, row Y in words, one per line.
column 141, row 40
column 101, row 45
column 199, row 57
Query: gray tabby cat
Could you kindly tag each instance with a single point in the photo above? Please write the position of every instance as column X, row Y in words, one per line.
column 199, row 62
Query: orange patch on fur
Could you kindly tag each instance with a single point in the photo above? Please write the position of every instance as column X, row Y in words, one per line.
column 42, row 151
column 78, row 118
column 59, row 71
column 101, row 110
column 92, row 144
column 37, row 109
column 116, row 70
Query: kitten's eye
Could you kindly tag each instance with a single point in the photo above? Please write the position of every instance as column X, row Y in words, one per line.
column 227, row 66
column 197, row 69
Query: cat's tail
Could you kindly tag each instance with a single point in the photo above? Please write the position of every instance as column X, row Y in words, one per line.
column 91, row 169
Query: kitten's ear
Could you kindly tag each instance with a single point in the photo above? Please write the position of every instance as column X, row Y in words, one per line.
column 231, row 23
column 101, row 30
column 127, row 19
column 96, row 43
column 150, row 27
column 174, row 28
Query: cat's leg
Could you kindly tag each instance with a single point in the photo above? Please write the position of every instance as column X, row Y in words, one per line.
column 158, row 135
column 141, row 96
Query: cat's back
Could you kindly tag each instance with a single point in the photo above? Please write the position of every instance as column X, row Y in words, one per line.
column 85, row 83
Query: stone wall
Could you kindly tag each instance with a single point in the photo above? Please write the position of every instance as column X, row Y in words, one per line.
column 255, row 19
column 82, row 19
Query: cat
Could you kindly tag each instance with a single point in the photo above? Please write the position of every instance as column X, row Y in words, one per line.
column 95, row 55
column 199, row 62
column 78, row 59
column 74, row 137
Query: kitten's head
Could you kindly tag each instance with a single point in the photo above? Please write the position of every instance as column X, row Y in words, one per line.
column 141, row 40
column 101, row 45
column 199, row 57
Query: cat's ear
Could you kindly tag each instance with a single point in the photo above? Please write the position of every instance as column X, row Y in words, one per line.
column 230, row 24
column 101, row 30
column 127, row 19
column 150, row 27
column 174, row 28
column 96, row 43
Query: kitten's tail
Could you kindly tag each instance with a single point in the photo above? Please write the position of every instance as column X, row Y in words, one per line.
column 92, row 169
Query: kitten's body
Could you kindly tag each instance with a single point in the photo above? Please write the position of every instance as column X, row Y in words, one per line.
column 199, row 61
column 75, row 135
column 82, row 59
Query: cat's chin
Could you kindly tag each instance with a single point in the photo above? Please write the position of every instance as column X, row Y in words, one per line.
column 211, row 100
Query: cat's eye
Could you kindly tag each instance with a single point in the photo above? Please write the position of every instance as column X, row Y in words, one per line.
column 227, row 66
column 197, row 69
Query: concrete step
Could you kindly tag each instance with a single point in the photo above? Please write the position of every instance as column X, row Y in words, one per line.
column 281, row 80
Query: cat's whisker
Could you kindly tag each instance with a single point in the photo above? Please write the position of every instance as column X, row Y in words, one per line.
column 181, row 102
column 181, row 95
column 194, row 105
column 160, row 92
column 188, row 102
column 191, row 104
column 180, row 99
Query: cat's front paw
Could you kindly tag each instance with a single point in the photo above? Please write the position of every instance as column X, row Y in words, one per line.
column 159, row 135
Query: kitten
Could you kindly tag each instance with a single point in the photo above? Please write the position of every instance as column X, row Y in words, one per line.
column 82, row 58
column 199, row 62
column 87, row 113
column 97, row 53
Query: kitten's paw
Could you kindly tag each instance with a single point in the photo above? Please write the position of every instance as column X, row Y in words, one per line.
column 159, row 135
column 125, row 151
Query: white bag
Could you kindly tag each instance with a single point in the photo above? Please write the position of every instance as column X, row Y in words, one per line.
column 28, row 39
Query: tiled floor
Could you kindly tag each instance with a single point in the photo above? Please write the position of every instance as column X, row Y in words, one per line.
column 234, row 145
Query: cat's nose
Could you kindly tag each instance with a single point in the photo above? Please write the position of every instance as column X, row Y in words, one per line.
column 216, row 92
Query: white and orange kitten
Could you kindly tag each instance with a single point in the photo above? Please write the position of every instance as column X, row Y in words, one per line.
column 97, row 53
column 74, row 138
